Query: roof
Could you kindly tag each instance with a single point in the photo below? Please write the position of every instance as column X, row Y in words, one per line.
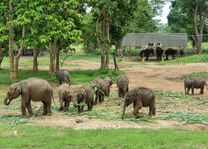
column 165, row 40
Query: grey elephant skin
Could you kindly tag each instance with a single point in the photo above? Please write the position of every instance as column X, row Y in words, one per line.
column 76, row 94
column 103, row 88
column 65, row 93
column 122, row 85
column 194, row 83
column 63, row 76
column 34, row 89
column 140, row 97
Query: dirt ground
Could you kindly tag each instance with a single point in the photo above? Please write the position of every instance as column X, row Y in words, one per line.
column 164, row 77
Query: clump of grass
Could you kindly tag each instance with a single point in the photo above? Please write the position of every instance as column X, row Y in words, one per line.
column 188, row 59
column 15, row 120
column 161, row 94
column 197, row 74
column 187, row 118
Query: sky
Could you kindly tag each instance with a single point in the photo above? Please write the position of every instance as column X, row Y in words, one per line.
column 165, row 11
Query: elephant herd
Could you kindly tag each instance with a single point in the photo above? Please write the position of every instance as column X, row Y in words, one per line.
column 146, row 53
column 36, row 89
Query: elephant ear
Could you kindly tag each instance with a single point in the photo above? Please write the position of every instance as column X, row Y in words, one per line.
column 18, row 89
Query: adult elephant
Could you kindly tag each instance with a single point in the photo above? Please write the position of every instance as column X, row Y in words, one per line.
column 34, row 89
column 172, row 52
column 159, row 53
column 146, row 53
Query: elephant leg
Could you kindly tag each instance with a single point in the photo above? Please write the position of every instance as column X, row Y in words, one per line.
column 66, row 105
column 152, row 110
column 202, row 90
column 96, row 98
column 48, row 107
column 44, row 108
column 61, row 105
column 23, row 107
column 136, row 110
column 82, row 108
column 192, row 90
column 91, row 105
column 188, row 89
column 29, row 108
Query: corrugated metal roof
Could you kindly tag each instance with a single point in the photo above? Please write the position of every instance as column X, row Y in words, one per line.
column 165, row 40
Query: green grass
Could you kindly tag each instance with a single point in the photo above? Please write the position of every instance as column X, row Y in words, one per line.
column 77, row 76
column 32, row 136
column 201, row 58
column 196, row 74
column 187, row 117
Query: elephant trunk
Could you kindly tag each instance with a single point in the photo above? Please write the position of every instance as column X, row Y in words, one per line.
column 124, row 109
column 74, row 103
column 7, row 101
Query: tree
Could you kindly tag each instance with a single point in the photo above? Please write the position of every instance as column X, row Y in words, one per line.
column 62, row 27
column 193, row 14
column 3, row 31
column 109, row 17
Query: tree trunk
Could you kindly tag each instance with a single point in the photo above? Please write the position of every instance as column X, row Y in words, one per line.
column 107, row 38
column 35, row 59
column 51, row 66
column 11, row 42
column 17, row 57
column 57, row 59
column 199, row 43
column 115, row 62
column 102, row 31
column 54, row 56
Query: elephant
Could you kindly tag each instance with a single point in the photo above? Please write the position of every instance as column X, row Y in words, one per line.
column 159, row 53
column 76, row 94
column 107, row 85
column 140, row 97
column 83, row 95
column 146, row 53
column 99, row 93
column 65, row 93
column 63, row 76
column 122, row 85
column 103, row 88
column 191, row 83
column 171, row 51
column 34, row 89
column 181, row 53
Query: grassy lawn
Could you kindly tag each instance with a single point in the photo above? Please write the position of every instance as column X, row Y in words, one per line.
column 32, row 136
column 77, row 76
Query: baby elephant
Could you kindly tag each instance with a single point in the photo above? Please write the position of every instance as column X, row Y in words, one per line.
column 191, row 83
column 65, row 93
column 103, row 88
column 122, row 85
column 78, row 95
column 62, row 76
column 83, row 95
column 140, row 97
column 34, row 89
